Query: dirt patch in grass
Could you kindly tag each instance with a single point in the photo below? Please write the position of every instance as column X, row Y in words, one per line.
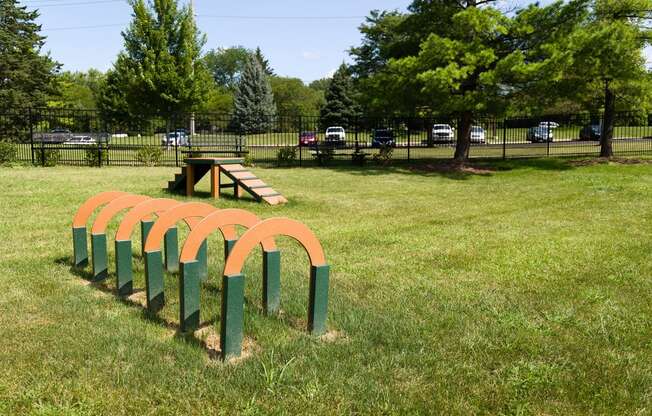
column 604, row 160
column 210, row 340
column 469, row 168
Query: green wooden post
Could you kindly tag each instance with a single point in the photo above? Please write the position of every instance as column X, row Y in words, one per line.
column 202, row 259
column 98, row 250
column 145, row 226
column 271, row 281
column 228, row 246
column 189, row 296
column 123, row 272
column 154, row 280
column 171, row 250
column 318, row 302
column 231, row 333
column 79, row 246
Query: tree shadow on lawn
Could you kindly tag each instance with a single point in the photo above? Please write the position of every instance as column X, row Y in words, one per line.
column 451, row 170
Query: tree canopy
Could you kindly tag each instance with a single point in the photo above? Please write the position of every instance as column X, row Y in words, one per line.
column 253, row 107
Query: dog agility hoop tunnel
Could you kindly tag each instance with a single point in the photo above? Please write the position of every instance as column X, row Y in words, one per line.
column 189, row 283
column 191, row 213
column 231, row 326
column 123, row 251
column 79, row 235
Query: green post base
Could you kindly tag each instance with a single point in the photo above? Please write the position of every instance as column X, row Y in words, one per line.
column 202, row 259
column 189, row 296
column 98, row 250
column 232, row 316
column 318, row 302
column 79, row 247
column 271, row 281
column 145, row 226
column 171, row 250
column 154, row 280
column 228, row 246
column 124, row 275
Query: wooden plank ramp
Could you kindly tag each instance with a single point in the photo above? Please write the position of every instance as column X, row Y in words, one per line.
column 252, row 184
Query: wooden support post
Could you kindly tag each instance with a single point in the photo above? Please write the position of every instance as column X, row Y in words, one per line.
column 215, row 182
column 190, row 180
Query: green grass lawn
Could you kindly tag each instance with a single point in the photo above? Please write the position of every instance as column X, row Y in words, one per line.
column 525, row 290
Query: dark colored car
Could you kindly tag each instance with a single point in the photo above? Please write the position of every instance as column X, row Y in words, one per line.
column 382, row 137
column 307, row 138
column 591, row 132
column 539, row 134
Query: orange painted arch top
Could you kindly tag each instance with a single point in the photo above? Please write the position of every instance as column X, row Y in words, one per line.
column 141, row 212
column 191, row 212
column 115, row 206
column 218, row 221
column 270, row 228
column 86, row 209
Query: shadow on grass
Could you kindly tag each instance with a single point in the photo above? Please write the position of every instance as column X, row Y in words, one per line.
column 228, row 195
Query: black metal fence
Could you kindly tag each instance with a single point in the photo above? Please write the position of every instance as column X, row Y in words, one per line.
column 84, row 137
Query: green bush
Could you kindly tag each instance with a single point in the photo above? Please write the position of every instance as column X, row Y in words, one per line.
column 384, row 156
column 150, row 155
column 194, row 152
column 93, row 153
column 249, row 160
column 8, row 152
column 285, row 156
column 359, row 157
column 325, row 155
column 47, row 157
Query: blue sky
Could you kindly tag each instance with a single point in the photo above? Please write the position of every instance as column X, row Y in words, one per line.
column 307, row 49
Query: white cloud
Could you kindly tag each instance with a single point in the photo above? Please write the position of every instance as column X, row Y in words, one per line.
column 311, row 56
column 330, row 73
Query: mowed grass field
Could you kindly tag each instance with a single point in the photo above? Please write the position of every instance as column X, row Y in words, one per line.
column 525, row 289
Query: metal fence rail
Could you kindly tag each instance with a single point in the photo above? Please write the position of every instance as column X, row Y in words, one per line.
column 85, row 137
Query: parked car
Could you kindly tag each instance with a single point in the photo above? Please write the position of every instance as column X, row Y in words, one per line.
column 478, row 135
column 335, row 136
column 539, row 134
column 176, row 138
column 81, row 140
column 550, row 124
column 443, row 133
column 382, row 137
column 307, row 138
column 591, row 132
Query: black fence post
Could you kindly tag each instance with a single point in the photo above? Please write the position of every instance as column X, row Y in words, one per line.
column 300, row 146
column 176, row 141
column 408, row 138
column 504, row 138
column 42, row 153
column 99, row 154
column 31, row 133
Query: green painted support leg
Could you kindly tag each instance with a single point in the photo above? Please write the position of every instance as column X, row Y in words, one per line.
column 318, row 303
column 202, row 259
column 154, row 280
column 98, row 250
column 232, row 316
column 145, row 226
column 79, row 246
column 189, row 296
column 271, row 281
column 228, row 246
column 171, row 250
column 124, row 276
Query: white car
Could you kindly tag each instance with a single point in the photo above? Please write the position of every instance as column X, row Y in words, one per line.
column 335, row 136
column 443, row 133
column 81, row 140
column 478, row 135
column 549, row 124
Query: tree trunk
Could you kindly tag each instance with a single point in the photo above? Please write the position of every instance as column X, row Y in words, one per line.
column 606, row 149
column 463, row 137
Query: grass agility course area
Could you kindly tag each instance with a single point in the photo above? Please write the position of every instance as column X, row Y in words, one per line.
column 517, row 287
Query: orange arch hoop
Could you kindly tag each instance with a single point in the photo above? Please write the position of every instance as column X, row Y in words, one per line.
column 191, row 212
column 86, row 209
column 219, row 221
column 270, row 228
column 113, row 208
column 142, row 211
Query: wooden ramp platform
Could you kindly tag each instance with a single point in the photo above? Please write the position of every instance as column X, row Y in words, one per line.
column 241, row 179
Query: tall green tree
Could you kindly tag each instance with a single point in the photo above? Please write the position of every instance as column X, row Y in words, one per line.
column 27, row 76
column 258, row 54
column 293, row 97
column 341, row 107
column 254, row 110
column 79, row 90
column 160, row 71
column 226, row 65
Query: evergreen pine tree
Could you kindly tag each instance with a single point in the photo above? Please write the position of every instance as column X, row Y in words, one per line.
column 254, row 108
column 341, row 108
column 263, row 62
column 27, row 78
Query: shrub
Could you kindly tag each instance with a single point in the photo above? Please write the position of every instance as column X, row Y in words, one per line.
column 149, row 155
column 384, row 156
column 325, row 155
column 47, row 157
column 8, row 152
column 249, row 160
column 285, row 156
column 194, row 152
column 359, row 157
column 93, row 153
